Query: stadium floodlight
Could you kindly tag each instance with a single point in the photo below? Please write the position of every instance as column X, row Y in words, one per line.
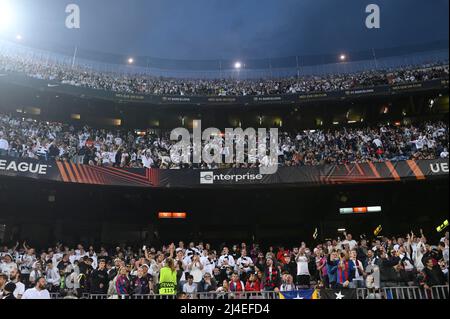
column 238, row 65
column 6, row 15
column 342, row 57
column 130, row 60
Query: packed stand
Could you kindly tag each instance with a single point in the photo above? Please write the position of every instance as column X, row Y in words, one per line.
column 27, row 138
column 145, row 84
column 195, row 270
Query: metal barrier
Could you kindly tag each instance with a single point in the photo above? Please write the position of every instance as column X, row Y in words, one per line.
column 200, row 295
column 362, row 293
column 404, row 293
column 390, row 293
column 55, row 296
column 440, row 292
column 236, row 295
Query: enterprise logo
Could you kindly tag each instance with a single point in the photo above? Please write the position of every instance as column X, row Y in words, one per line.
column 208, row 178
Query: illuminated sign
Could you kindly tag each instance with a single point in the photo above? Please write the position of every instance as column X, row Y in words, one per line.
column 164, row 215
column 172, row 215
column 360, row 210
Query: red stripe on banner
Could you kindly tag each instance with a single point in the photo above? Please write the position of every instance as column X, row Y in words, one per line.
column 62, row 171
column 123, row 175
column 359, row 169
column 130, row 180
column 150, row 176
column 348, row 170
column 77, row 175
column 95, row 176
column 83, row 176
column 89, row 174
column 127, row 181
column 393, row 171
column 103, row 178
column 69, row 171
column 416, row 170
column 127, row 172
column 118, row 173
column 374, row 170
column 99, row 176
column 155, row 179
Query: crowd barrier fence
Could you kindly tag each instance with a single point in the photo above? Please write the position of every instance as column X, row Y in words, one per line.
column 390, row 293
column 404, row 293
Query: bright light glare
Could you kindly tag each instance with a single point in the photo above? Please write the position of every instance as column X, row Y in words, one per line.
column 19, row 37
column 6, row 15
column 130, row 61
column 238, row 65
column 343, row 57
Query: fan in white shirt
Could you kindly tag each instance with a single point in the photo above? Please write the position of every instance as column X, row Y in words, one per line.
column 4, row 145
column 378, row 142
column 7, row 266
column 20, row 287
column 226, row 259
column 147, row 161
column 38, row 292
column 244, row 262
column 73, row 257
column 349, row 241
column 302, row 265
column 27, row 262
column 52, row 275
column 19, row 291
column 209, row 263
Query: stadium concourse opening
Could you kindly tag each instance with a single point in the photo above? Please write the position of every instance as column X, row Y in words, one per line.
column 45, row 213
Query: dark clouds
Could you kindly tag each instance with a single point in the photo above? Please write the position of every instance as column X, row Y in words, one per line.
column 209, row 29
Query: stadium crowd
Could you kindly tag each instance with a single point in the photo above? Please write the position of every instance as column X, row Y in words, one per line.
column 27, row 138
column 187, row 270
column 145, row 84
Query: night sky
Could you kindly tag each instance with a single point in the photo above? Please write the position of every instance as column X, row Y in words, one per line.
column 230, row 29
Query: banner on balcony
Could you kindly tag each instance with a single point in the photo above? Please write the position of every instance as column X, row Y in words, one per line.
column 365, row 173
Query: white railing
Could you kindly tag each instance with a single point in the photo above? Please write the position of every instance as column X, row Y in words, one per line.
column 404, row 293
column 265, row 295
